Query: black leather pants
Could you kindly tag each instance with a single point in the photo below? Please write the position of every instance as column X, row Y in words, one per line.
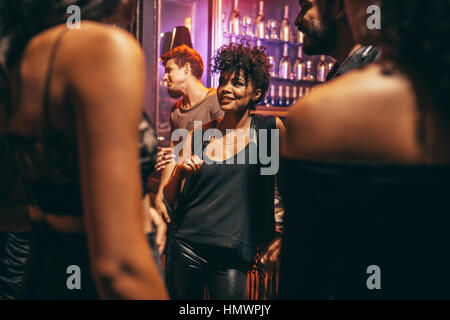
column 14, row 248
column 195, row 265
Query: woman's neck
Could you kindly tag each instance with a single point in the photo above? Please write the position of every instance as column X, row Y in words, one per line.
column 236, row 120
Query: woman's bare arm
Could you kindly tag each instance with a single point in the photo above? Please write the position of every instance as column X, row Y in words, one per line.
column 189, row 165
column 107, row 83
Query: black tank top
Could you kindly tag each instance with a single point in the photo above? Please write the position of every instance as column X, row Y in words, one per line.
column 340, row 219
column 229, row 205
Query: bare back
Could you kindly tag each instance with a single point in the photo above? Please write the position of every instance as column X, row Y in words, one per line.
column 83, row 138
column 364, row 116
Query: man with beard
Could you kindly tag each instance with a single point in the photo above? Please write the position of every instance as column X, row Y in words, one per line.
column 327, row 32
column 183, row 72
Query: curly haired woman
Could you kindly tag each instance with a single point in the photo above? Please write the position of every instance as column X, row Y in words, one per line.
column 225, row 211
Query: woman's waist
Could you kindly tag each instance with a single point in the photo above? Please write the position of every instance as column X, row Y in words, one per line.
column 66, row 223
column 60, row 222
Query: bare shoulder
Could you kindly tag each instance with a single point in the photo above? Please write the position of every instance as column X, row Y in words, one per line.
column 105, row 43
column 91, row 52
column 92, row 37
column 364, row 115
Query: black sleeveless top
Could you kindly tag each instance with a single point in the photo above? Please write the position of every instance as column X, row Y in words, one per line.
column 48, row 163
column 343, row 218
column 230, row 205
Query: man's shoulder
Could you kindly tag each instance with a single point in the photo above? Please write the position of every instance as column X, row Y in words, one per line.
column 213, row 102
column 176, row 106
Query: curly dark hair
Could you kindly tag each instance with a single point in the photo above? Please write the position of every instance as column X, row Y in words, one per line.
column 20, row 20
column 253, row 61
column 416, row 33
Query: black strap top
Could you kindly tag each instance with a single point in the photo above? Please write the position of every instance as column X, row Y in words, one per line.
column 48, row 163
column 341, row 219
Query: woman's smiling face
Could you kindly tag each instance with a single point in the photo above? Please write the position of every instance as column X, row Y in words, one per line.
column 234, row 94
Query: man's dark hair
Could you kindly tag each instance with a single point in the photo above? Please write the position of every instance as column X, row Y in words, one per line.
column 184, row 54
column 417, row 35
column 253, row 61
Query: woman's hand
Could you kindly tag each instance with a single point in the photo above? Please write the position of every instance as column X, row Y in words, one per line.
column 271, row 258
column 165, row 157
column 161, row 208
column 191, row 165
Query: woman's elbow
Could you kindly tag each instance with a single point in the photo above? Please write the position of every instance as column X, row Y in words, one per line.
column 118, row 279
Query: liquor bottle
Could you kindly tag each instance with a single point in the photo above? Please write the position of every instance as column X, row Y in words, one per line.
column 260, row 25
column 330, row 66
column 285, row 29
column 265, row 101
column 272, row 26
column 307, row 91
column 309, row 75
column 287, row 96
column 322, row 69
column 258, row 43
column 247, row 24
column 300, row 92
column 272, row 68
column 224, row 24
column 294, row 95
column 299, row 65
column 272, row 96
column 235, row 19
column 284, row 70
column 279, row 101
column 300, row 37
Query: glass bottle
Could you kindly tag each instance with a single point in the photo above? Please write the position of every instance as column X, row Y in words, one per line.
column 300, row 37
column 272, row 95
column 330, row 66
column 247, row 24
column 299, row 65
column 287, row 96
column 309, row 75
column 272, row 26
column 285, row 29
column 265, row 102
column 224, row 24
column 301, row 91
column 260, row 25
column 322, row 69
column 235, row 19
column 280, row 95
column 307, row 91
column 294, row 95
column 272, row 68
column 258, row 43
column 285, row 65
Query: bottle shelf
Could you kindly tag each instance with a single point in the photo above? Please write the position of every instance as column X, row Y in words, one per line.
column 264, row 41
column 306, row 83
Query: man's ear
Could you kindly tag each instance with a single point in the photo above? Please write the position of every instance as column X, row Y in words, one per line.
column 256, row 95
column 187, row 68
